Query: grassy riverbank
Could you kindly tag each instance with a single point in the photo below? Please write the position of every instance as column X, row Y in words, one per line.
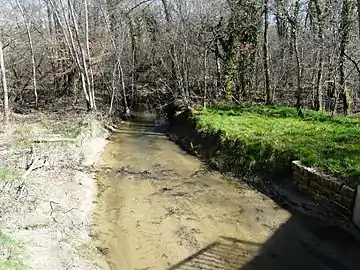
column 269, row 138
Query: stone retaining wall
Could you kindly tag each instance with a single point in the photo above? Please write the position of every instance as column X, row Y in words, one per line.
column 356, row 213
column 325, row 188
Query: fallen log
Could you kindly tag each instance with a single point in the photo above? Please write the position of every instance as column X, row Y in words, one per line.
column 54, row 140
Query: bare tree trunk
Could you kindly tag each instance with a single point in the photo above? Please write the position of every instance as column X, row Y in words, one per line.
column 358, row 14
column 113, row 88
column 4, row 84
column 318, row 86
column 33, row 62
column 76, row 51
column 50, row 18
column 91, row 79
column 175, row 80
column 83, row 64
column 218, row 68
column 121, row 74
column 205, row 77
column 229, row 69
column 133, row 77
column 344, row 30
column 294, row 21
column 298, row 73
column 133, row 57
column 320, row 57
column 269, row 92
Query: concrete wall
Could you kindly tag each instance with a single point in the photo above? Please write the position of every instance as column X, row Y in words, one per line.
column 325, row 188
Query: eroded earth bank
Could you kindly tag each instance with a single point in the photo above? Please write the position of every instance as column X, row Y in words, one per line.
column 160, row 208
column 46, row 191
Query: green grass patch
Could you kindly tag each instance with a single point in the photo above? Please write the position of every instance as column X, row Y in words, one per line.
column 9, row 175
column 270, row 137
column 23, row 131
column 70, row 129
column 11, row 250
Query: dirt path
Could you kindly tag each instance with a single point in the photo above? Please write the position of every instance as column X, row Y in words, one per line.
column 160, row 209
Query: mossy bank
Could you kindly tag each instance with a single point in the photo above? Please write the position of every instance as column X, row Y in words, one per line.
column 266, row 140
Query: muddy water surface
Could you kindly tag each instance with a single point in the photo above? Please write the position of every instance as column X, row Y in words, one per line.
column 159, row 208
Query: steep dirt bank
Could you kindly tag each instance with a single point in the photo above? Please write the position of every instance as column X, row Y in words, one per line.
column 160, row 208
column 49, row 211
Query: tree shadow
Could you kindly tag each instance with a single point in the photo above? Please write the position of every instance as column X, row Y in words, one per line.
column 300, row 243
column 224, row 254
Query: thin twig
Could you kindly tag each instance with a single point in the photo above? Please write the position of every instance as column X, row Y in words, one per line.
column 31, row 167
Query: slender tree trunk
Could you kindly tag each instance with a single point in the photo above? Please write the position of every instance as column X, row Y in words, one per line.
column 122, row 79
column 298, row 73
column 318, row 86
column 133, row 77
column 218, row 68
column 81, row 59
column 33, row 61
column 176, row 82
column 294, row 20
column 229, row 67
column 91, row 74
column 50, row 18
column 344, row 30
column 113, row 88
column 4, row 84
column 358, row 14
column 205, row 77
column 320, row 58
column 134, row 54
column 269, row 92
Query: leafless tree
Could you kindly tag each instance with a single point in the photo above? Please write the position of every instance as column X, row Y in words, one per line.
column 119, row 53
column 4, row 85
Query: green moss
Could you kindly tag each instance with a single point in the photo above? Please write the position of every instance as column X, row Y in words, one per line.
column 270, row 137
column 23, row 131
column 9, row 175
column 70, row 129
column 11, row 251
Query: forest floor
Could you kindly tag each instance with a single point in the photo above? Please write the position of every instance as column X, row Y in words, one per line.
column 46, row 191
column 271, row 137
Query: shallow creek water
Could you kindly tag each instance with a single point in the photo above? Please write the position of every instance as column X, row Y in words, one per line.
column 160, row 208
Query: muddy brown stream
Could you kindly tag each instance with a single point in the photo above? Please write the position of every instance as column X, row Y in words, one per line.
column 160, row 208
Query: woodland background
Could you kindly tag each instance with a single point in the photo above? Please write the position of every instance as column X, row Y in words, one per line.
column 116, row 54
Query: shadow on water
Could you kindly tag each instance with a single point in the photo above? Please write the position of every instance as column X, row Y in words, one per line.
column 143, row 125
column 300, row 243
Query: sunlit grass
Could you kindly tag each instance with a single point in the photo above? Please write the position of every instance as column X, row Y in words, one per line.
column 269, row 138
column 11, row 251
column 9, row 175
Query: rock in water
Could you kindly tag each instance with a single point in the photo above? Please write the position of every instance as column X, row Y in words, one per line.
column 175, row 107
column 162, row 122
